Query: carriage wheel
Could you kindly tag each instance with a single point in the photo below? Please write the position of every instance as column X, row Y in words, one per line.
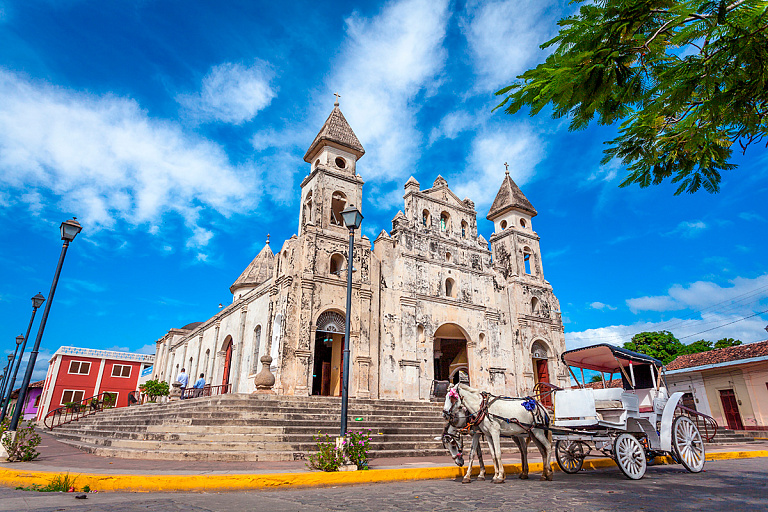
column 569, row 456
column 688, row 445
column 630, row 456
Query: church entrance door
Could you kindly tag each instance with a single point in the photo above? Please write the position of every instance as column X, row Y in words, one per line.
column 450, row 354
column 541, row 370
column 227, row 366
column 329, row 342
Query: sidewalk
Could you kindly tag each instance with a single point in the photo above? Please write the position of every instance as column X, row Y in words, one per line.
column 112, row 474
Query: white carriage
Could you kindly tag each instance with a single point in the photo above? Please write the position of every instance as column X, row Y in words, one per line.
column 632, row 424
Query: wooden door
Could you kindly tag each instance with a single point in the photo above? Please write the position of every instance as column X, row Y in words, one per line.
column 542, row 375
column 731, row 409
column 325, row 379
column 227, row 365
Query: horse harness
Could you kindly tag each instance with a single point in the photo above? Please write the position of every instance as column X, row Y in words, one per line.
column 540, row 417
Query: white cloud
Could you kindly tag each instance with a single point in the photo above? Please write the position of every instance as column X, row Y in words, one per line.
column 517, row 144
column 231, row 93
column 149, row 348
column 386, row 62
column 750, row 216
column 744, row 296
column 451, row 125
column 105, row 160
column 688, row 229
column 504, row 38
column 601, row 306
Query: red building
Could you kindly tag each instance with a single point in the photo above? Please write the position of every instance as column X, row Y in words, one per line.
column 75, row 374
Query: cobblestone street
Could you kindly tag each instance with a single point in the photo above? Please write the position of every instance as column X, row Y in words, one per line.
column 725, row 485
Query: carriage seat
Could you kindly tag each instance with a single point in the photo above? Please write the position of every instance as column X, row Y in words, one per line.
column 608, row 404
column 609, row 398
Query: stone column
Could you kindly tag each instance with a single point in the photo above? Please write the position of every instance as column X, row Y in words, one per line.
column 240, row 350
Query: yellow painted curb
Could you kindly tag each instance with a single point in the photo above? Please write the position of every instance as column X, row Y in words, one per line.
column 146, row 483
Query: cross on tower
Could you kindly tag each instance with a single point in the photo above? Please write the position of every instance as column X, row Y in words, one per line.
column 336, row 103
column 267, row 238
column 506, row 166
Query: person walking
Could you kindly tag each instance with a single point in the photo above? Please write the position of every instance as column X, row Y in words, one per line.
column 183, row 379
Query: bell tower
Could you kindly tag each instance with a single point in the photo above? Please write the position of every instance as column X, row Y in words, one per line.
column 514, row 243
column 332, row 183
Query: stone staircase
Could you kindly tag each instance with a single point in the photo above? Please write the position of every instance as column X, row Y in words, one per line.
column 725, row 436
column 240, row 427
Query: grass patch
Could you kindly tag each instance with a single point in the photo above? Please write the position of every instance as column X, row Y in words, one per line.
column 59, row 483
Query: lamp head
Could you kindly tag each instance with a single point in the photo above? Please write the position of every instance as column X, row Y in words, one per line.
column 70, row 229
column 352, row 217
column 19, row 339
column 10, row 358
column 38, row 300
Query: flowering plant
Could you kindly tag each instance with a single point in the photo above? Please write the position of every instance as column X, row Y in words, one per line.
column 327, row 457
column 357, row 445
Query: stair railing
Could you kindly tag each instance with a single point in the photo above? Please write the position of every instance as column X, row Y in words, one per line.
column 206, row 391
column 73, row 411
column 706, row 424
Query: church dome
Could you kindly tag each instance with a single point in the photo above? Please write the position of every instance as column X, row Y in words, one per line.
column 259, row 271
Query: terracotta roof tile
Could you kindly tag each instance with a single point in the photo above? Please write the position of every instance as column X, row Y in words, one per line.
column 615, row 383
column 721, row 355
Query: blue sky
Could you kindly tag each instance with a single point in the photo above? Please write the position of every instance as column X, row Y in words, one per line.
column 175, row 132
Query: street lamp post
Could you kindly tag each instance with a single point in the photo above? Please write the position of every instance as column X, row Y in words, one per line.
column 37, row 301
column 69, row 230
column 7, row 387
column 352, row 219
column 7, row 373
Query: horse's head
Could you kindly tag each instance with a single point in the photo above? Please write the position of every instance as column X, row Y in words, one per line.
column 453, row 442
column 452, row 403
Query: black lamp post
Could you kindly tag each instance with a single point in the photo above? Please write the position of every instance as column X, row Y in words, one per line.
column 37, row 301
column 8, row 383
column 69, row 230
column 7, row 374
column 352, row 219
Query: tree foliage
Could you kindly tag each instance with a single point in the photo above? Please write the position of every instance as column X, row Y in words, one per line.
column 664, row 346
column 154, row 389
column 686, row 79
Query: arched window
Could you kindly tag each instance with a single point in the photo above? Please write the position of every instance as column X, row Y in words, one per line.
column 420, row 332
column 256, row 347
column 425, row 218
column 463, row 229
column 338, row 203
column 337, row 262
column 534, row 306
column 450, row 288
column 503, row 224
column 527, row 259
column 445, row 221
column 522, row 222
column 205, row 366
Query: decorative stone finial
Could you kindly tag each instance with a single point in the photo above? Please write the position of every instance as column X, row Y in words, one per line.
column 267, row 238
column 264, row 380
column 336, row 103
column 506, row 166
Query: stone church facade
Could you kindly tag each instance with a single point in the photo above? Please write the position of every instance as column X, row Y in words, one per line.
column 429, row 298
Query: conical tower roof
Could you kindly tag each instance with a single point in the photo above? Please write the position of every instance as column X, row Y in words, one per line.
column 260, row 269
column 336, row 129
column 510, row 197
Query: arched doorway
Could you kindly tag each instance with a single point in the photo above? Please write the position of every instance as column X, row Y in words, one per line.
column 540, row 360
column 228, row 346
column 329, row 341
column 450, row 353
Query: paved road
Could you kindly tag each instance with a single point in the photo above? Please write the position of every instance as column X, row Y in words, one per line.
column 738, row 485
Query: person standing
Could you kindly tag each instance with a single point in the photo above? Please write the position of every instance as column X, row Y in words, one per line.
column 183, row 379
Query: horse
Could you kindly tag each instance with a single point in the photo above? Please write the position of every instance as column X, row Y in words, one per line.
column 454, row 443
column 495, row 417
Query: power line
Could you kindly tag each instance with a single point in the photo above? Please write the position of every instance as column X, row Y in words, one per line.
column 723, row 325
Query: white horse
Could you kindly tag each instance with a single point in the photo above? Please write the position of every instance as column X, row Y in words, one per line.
column 496, row 417
column 454, row 443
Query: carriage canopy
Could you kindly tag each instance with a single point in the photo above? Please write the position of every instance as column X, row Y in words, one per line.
column 606, row 358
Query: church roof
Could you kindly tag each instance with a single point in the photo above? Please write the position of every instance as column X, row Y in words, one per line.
column 258, row 271
column 510, row 196
column 336, row 129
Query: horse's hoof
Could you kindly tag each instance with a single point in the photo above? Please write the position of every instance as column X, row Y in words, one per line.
column 496, row 481
column 466, row 481
column 544, row 478
column 523, row 476
column 549, row 477
column 481, row 477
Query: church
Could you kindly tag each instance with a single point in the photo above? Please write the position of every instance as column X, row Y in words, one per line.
column 430, row 298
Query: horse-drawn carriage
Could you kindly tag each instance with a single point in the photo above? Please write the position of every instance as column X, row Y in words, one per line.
column 632, row 424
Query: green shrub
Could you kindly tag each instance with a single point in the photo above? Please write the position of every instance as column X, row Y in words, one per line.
column 154, row 389
column 59, row 483
column 22, row 448
column 327, row 457
column 356, row 447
